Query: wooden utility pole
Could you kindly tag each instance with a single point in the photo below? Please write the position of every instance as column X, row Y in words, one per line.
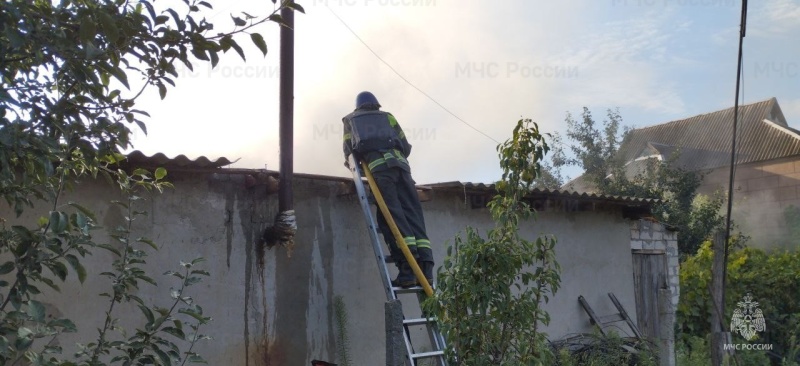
column 719, row 269
column 719, row 335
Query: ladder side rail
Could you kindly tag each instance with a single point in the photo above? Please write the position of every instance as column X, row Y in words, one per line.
column 437, row 341
column 356, row 168
column 401, row 243
column 372, row 228
column 436, row 336
column 440, row 343
column 624, row 315
column 595, row 320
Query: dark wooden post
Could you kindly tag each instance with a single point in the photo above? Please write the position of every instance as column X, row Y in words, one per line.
column 719, row 335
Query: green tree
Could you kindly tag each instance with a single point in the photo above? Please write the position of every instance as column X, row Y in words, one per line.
column 70, row 74
column 770, row 278
column 593, row 149
column 491, row 290
column 596, row 149
column 551, row 177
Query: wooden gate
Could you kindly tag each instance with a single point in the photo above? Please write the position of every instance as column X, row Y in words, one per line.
column 649, row 276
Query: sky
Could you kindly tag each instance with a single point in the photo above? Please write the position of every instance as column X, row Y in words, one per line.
column 484, row 64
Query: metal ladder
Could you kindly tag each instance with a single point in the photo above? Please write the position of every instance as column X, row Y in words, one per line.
column 392, row 293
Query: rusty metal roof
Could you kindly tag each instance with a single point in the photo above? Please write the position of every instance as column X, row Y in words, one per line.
column 139, row 158
column 704, row 140
column 468, row 187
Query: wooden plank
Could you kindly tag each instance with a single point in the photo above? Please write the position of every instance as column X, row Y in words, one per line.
column 642, row 272
column 649, row 276
column 605, row 319
column 592, row 316
column 639, row 292
column 625, row 315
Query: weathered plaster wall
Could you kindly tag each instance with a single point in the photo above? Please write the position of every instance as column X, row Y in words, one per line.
column 281, row 313
column 593, row 250
column 763, row 191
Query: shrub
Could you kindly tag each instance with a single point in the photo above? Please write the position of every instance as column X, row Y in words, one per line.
column 600, row 350
column 773, row 280
column 491, row 290
column 696, row 352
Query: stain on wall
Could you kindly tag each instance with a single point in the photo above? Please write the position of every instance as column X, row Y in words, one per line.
column 281, row 313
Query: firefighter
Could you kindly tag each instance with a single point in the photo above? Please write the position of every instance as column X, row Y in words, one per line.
column 375, row 137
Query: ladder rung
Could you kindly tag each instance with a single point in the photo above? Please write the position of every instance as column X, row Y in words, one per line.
column 427, row 354
column 418, row 321
column 410, row 290
column 611, row 318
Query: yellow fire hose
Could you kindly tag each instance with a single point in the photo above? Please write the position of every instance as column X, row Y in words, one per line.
column 396, row 232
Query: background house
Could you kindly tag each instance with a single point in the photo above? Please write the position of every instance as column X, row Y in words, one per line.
column 273, row 309
column 767, row 163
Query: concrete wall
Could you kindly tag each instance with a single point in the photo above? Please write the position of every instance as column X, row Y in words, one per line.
column 763, row 191
column 593, row 251
column 282, row 313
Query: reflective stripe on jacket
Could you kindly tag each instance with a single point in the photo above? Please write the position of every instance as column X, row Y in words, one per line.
column 382, row 159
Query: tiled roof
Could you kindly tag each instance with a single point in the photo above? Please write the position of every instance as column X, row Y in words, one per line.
column 704, row 140
column 138, row 158
column 547, row 193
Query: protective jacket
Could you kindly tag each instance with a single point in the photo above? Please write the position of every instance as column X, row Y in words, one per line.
column 381, row 127
column 376, row 138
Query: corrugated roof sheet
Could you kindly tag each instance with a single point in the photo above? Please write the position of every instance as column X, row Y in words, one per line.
column 554, row 193
column 704, row 140
column 139, row 158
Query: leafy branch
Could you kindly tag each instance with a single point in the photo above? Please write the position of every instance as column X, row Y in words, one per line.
column 64, row 118
column 491, row 290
